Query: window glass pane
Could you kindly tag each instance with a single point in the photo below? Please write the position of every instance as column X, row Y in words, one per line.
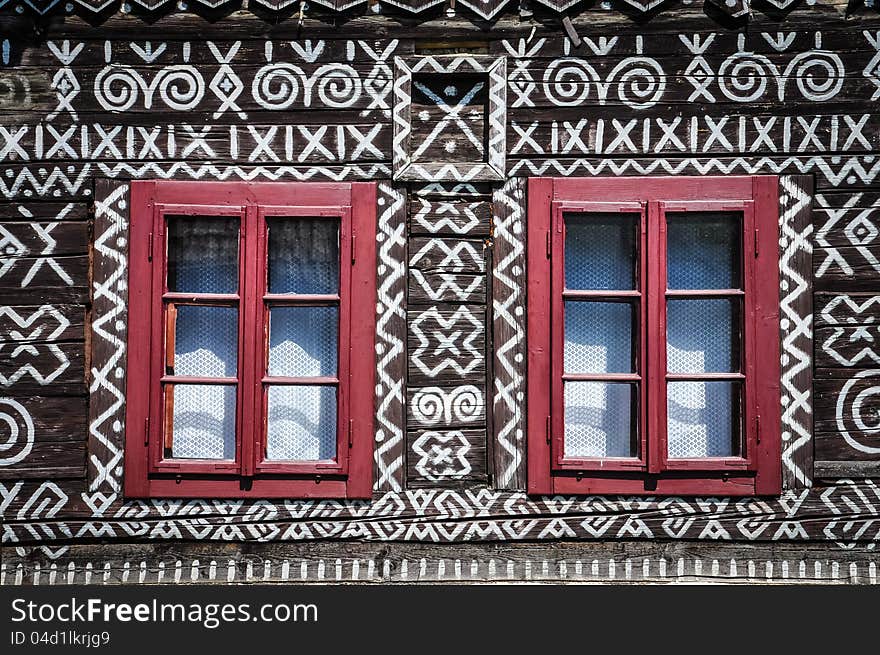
column 303, row 341
column 303, row 255
column 600, row 251
column 203, row 254
column 703, row 419
column 600, row 419
column 302, row 423
column 206, row 341
column 703, row 336
column 704, row 250
column 203, row 421
column 598, row 337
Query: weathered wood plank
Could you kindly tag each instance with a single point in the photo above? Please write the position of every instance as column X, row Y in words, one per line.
column 144, row 138
column 391, row 339
column 846, row 309
column 43, row 211
column 447, row 405
column 35, row 239
column 62, row 271
column 41, row 324
column 50, row 461
column 430, row 288
column 836, row 447
column 847, row 469
column 108, row 334
column 446, row 344
column 54, row 369
column 446, row 458
column 449, row 217
column 439, row 255
column 847, row 268
column 508, row 335
column 850, row 407
column 365, row 562
column 852, row 347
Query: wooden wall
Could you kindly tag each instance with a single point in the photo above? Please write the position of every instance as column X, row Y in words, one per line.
column 243, row 99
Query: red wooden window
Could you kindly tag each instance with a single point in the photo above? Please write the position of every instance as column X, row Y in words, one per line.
column 653, row 327
column 250, row 347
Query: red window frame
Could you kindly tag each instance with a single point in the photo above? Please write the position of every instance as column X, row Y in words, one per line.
column 152, row 312
column 758, row 472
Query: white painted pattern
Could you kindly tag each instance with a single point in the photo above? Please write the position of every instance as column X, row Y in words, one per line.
column 254, row 143
column 857, row 420
column 409, row 143
column 390, row 338
column 508, row 305
column 442, row 455
column 16, row 432
column 860, row 231
column 796, row 330
column 448, row 285
column 436, row 406
column 453, row 338
column 846, row 311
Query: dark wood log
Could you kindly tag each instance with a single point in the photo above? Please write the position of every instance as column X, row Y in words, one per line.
column 848, row 469
column 430, row 288
column 797, row 418
column 847, row 227
column 449, row 218
column 851, row 404
column 853, row 347
column 43, row 211
column 828, row 175
column 56, row 419
column 508, row 335
column 447, row 255
column 35, row 239
column 847, row 268
column 144, row 137
column 108, row 329
column 446, row 458
column 834, row 447
column 446, row 344
column 390, row 394
column 41, row 324
column 55, row 369
column 50, row 461
column 445, row 406
column 352, row 561
column 62, row 271
column 590, row 130
column 846, row 309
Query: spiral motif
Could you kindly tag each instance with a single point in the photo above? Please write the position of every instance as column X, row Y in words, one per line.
column 465, row 403
column 180, row 87
column 338, row 86
column 428, row 405
column 16, row 432
column 819, row 75
column 743, row 76
column 432, row 404
column 567, row 82
column 117, row 89
column 641, row 82
column 863, row 420
column 276, row 86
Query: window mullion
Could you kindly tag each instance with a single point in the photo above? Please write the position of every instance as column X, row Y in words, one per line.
column 249, row 426
column 655, row 334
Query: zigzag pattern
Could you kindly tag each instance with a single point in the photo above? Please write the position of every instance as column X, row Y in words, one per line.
column 107, row 398
column 390, row 336
column 508, row 305
column 836, row 170
column 797, row 330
